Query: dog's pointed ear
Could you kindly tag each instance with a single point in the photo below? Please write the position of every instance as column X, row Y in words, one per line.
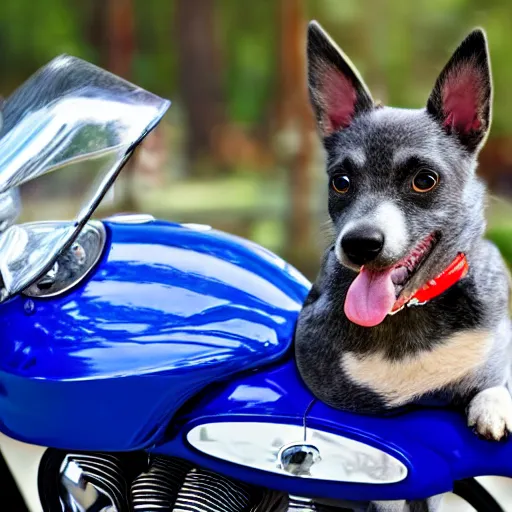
column 336, row 91
column 462, row 97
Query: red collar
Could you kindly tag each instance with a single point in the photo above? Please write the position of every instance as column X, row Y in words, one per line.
column 455, row 271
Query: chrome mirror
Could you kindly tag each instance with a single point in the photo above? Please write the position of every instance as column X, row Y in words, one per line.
column 72, row 117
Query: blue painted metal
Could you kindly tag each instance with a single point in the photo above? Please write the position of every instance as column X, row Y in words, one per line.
column 168, row 311
column 435, row 444
column 173, row 314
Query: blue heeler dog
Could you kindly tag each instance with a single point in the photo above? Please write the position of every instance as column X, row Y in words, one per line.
column 405, row 204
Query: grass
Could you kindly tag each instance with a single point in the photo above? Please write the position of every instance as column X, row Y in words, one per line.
column 230, row 195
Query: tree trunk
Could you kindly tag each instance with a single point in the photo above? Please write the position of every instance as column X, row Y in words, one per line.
column 200, row 78
column 95, row 18
column 120, row 37
column 109, row 27
column 294, row 112
column 119, row 40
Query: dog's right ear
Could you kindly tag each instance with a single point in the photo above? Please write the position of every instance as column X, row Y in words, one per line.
column 336, row 91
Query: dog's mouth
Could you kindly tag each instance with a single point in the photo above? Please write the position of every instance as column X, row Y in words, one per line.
column 375, row 293
column 404, row 271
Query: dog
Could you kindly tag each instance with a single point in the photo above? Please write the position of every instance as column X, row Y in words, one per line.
column 411, row 303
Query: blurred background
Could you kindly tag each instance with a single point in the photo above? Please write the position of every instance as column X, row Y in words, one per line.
column 238, row 148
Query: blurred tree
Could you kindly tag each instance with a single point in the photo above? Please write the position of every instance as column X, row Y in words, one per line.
column 32, row 33
column 200, row 79
column 294, row 115
column 235, row 71
column 109, row 28
column 119, row 37
column 155, row 60
column 94, row 28
column 117, row 54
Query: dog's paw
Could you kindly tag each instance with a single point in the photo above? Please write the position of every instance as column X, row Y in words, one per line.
column 490, row 413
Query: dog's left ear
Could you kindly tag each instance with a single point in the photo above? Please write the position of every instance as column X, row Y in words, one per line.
column 462, row 96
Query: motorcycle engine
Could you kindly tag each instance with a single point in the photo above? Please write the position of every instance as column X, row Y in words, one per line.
column 106, row 482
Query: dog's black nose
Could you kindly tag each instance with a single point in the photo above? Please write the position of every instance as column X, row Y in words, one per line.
column 362, row 245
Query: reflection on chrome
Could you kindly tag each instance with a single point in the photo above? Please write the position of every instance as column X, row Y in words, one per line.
column 80, row 495
column 73, row 265
column 69, row 116
column 282, row 448
column 353, row 461
column 251, row 444
column 24, row 250
column 10, row 207
column 298, row 459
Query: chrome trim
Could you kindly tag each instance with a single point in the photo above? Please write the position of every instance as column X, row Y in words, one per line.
column 79, row 494
column 251, row 444
column 205, row 491
column 261, row 446
column 74, row 264
column 298, row 458
column 131, row 218
column 10, row 208
column 159, row 486
column 71, row 116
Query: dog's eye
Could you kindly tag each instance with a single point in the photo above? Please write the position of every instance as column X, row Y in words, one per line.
column 340, row 184
column 425, row 180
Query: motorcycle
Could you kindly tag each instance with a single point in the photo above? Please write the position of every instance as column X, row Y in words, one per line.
column 148, row 365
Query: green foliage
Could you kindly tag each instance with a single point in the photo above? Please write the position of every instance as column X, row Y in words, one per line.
column 154, row 65
column 32, row 33
column 250, row 44
column 399, row 46
column 502, row 237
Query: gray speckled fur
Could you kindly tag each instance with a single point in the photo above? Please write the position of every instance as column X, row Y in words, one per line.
column 455, row 209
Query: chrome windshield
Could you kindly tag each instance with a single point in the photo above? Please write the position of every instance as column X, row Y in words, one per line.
column 73, row 117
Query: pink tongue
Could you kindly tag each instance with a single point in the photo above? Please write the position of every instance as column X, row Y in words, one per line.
column 370, row 297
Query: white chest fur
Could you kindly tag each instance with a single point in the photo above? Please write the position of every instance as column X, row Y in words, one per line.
column 402, row 380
